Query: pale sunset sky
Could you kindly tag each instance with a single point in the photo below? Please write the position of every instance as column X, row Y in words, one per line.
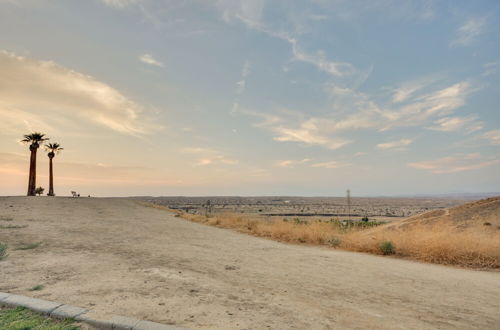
column 252, row 97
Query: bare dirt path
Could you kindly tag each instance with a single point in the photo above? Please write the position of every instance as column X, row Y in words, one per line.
column 119, row 257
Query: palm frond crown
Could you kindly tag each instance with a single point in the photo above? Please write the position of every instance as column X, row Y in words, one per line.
column 34, row 137
column 53, row 147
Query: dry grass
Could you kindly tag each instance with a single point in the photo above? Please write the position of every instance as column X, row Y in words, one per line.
column 441, row 244
column 476, row 247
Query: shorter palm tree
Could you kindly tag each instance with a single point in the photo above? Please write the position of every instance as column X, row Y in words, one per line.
column 34, row 140
column 53, row 149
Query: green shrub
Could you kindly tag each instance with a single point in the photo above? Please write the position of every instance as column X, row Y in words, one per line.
column 298, row 221
column 37, row 287
column 386, row 247
column 3, row 251
column 29, row 246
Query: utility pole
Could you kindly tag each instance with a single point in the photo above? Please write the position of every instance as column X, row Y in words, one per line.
column 348, row 193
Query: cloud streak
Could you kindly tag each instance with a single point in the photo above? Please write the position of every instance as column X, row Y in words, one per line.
column 395, row 145
column 453, row 124
column 330, row 164
column 454, row 164
column 469, row 31
column 290, row 163
column 120, row 4
column 42, row 94
column 208, row 156
column 149, row 59
column 493, row 137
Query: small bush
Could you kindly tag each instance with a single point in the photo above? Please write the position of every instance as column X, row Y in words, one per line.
column 12, row 226
column 29, row 246
column 3, row 251
column 335, row 242
column 386, row 247
column 37, row 287
column 487, row 224
column 298, row 221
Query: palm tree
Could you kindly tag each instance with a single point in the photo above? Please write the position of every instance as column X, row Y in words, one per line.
column 53, row 149
column 34, row 140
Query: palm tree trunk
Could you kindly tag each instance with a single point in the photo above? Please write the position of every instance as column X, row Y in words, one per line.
column 51, row 178
column 32, row 177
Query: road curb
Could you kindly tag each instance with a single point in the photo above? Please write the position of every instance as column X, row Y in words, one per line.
column 63, row 311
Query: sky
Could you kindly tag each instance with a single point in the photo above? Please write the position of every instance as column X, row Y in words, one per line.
column 252, row 97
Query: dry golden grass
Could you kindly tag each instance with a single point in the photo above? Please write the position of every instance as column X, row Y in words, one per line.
column 442, row 243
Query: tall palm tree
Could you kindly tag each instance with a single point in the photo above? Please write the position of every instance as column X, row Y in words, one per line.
column 34, row 139
column 53, row 149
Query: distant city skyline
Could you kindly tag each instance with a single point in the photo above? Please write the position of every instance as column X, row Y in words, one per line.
column 255, row 97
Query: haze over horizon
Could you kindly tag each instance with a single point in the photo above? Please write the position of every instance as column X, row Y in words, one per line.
column 256, row 97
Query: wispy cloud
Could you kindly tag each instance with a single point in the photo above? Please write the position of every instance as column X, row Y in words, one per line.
column 454, row 164
column 493, row 137
column 491, row 68
column 149, row 59
column 357, row 111
column 241, row 84
column 310, row 134
column 250, row 13
column 319, row 60
column 407, row 89
column 46, row 95
column 120, row 4
column 423, row 107
column 469, row 31
column 291, row 163
column 307, row 132
column 452, row 124
column 330, row 164
column 395, row 145
column 209, row 156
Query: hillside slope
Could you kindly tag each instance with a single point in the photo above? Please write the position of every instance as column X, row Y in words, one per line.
column 466, row 235
column 466, row 216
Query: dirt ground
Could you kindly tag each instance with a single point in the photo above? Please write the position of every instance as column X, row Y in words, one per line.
column 119, row 257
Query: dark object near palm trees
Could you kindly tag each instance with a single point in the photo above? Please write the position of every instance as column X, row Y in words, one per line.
column 39, row 191
column 53, row 149
column 34, row 140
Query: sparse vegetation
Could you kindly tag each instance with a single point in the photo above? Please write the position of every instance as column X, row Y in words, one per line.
column 386, row 247
column 37, row 287
column 21, row 318
column 3, row 251
column 29, row 246
column 443, row 244
column 12, row 226
column 6, row 218
column 335, row 242
column 39, row 191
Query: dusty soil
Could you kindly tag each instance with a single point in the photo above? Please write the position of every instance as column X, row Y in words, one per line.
column 117, row 256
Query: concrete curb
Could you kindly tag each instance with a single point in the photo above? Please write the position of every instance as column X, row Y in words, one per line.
column 63, row 311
